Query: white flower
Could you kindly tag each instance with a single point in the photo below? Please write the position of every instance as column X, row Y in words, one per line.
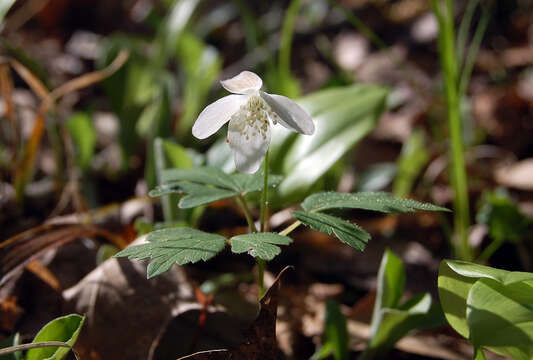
column 250, row 112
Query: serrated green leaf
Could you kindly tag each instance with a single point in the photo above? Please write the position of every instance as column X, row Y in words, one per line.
column 65, row 329
column 376, row 201
column 202, row 175
column 261, row 245
column 200, row 195
column 250, row 183
column 345, row 231
column 165, row 189
column 175, row 245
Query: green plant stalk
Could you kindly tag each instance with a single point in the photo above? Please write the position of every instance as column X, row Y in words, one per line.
column 291, row 228
column 462, row 33
column 458, row 170
column 168, row 202
column 472, row 53
column 264, row 203
column 287, row 33
column 489, row 250
column 241, row 201
column 264, row 195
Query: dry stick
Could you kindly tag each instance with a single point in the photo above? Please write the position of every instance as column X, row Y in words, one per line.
column 24, row 13
column 6, row 87
column 23, row 170
column 33, row 81
column 13, row 349
column 96, row 231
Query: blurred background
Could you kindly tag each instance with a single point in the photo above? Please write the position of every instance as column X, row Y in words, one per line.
column 98, row 97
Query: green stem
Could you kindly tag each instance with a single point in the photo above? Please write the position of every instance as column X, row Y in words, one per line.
column 264, row 197
column 287, row 33
column 263, row 221
column 489, row 250
column 462, row 34
column 291, row 228
column 261, row 276
column 459, row 182
column 241, row 201
column 472, row 53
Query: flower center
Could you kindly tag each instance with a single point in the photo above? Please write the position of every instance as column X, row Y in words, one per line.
column 253, row 118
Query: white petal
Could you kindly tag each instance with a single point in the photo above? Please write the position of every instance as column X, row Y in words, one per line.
column 292, row 116
column 247, row 153
column 217, row 114
column 244, row 83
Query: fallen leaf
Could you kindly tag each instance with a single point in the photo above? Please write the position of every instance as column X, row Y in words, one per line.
column 124, row 307
column 260, row 338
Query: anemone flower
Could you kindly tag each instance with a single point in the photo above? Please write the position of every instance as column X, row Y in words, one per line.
column 250, row 113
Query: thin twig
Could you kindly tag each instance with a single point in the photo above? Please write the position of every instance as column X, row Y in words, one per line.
column 13, row 349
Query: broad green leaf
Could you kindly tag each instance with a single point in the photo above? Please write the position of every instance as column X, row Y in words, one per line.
column 261, row 245
column 175, row 245
column 5, row 5
column 413, row 158
column 178, row 17
column 376, row 177
column 453, row 292
column 468, row 269
column 343, row 116
column 177, row 155
column 456, row 279
column 202, row 64
column 396, row 323
column 498, row 322
column 336, row 332
column 304, row 173
column 390, row 320
column 390, row 285
column 81, row 129
column 200, row 195
column 376, row 201
column 65, row 329
column 345, row 231
column 13, row 340
column 203, row 175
